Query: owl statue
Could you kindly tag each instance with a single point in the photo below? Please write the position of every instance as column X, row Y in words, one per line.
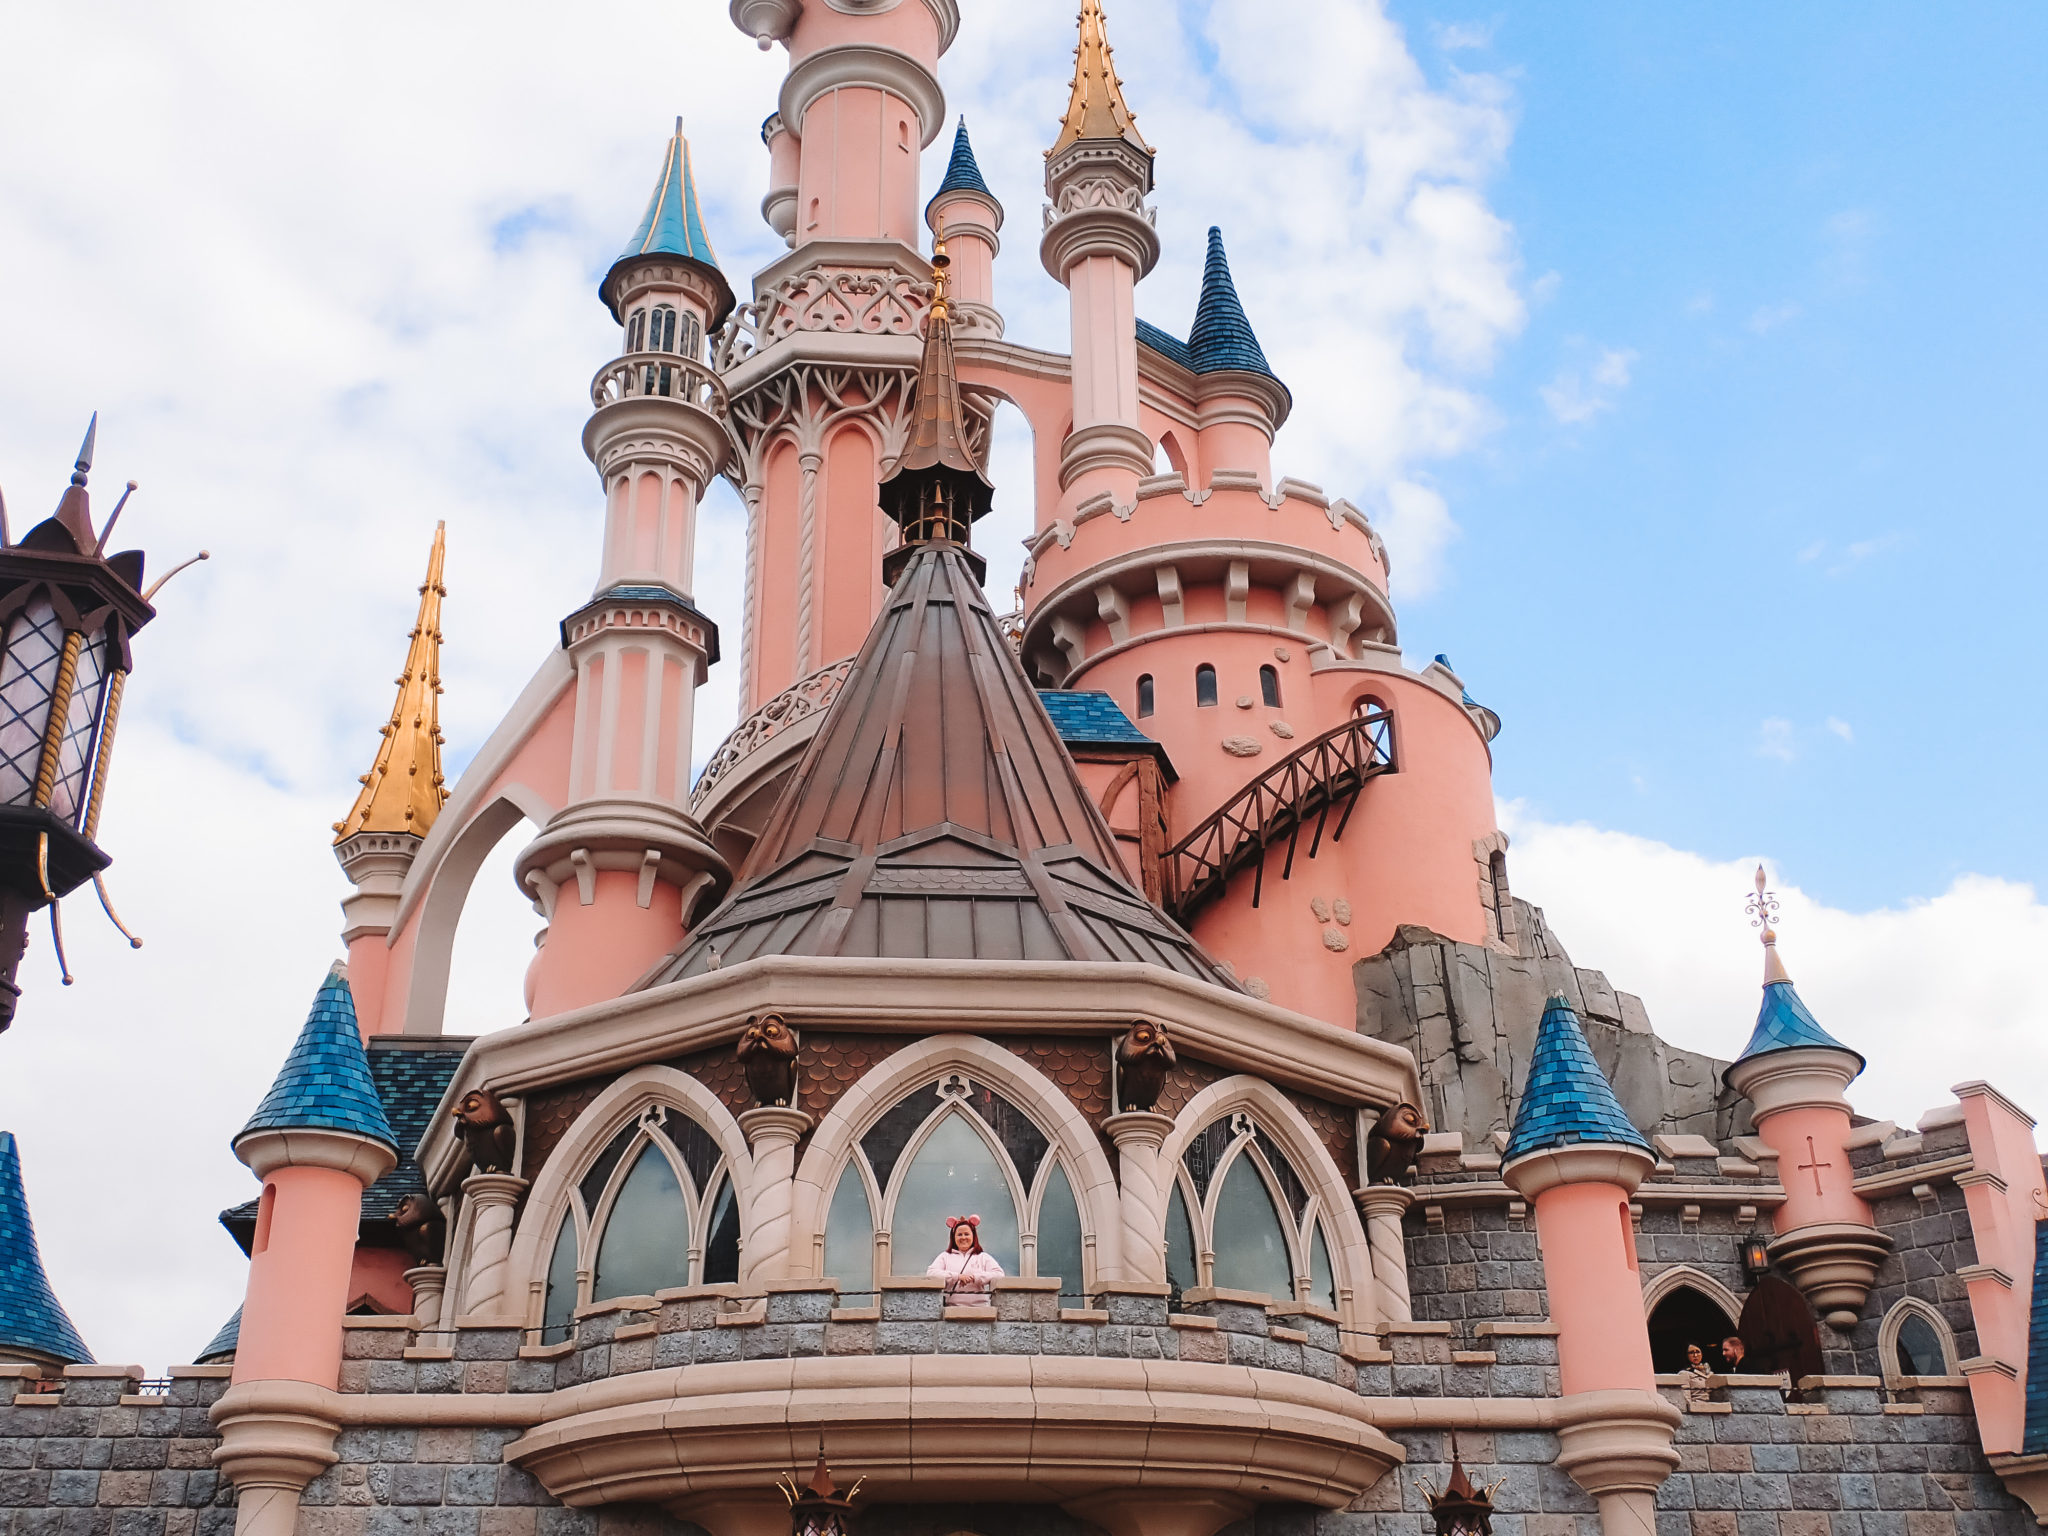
column 486, row 1129
column 421, row 1228
column 767, row 1052
column 1395, row 1143
column 1143, row 1058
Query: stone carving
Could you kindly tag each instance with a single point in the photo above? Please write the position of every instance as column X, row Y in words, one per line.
column 767, row 1050
column 1282, row 729
column 1243, row 746
column 1341, row 909
column 1107, row 191
column 833, row 299
column 1395, row 1143
column 802, row 699
column 1143, row 1058
column 486, row 1130
column 1334, row 941
column 421, row 1228
column 1320, row 907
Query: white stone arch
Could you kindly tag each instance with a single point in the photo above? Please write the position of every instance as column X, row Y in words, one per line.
column 1329, row 1193
column 1020, row 1193
column 1888, row 1340
column 446, row 892
column 1675, row 1277
column 617, row 1107
column 1296, row 1238
column 1073, row 1141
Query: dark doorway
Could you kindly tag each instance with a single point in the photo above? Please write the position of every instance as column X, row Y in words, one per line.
column 1779, row 1332
column 1686, row 1317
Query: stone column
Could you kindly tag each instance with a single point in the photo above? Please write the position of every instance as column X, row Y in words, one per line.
column 1142, row 1192
column 772, row 1132
column 1617, row 1446
column 494, row 1200
column 428, row 1281
column 276, row 1437
column 1383, row 1206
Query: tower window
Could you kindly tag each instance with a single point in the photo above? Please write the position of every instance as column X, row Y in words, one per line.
column 693, row 336
column 661, row 330
column 636, row 330
column 1205, row 686
column 1269, row 686
column 1145, row 695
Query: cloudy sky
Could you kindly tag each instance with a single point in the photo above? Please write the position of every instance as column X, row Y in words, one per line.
column 1689, row 359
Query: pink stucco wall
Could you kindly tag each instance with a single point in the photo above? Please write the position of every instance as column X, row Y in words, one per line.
column 299, row 1277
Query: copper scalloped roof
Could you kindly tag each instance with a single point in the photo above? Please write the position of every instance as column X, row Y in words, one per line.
column 936, row 815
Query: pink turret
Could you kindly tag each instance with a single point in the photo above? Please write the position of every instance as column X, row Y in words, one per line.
column 964, row 217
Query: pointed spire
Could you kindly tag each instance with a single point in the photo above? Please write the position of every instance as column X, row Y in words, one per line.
column 325, row 1083
column 404, row 791
column 32, row 1320
column 937, row 488
column 673, row 225
column 1783, row 1023
column 1096, row 108
column 1566, row 1098
column 74, row 508
column 1222, row 337
column 963, row 174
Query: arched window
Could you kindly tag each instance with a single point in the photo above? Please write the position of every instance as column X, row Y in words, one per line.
column 1687, row 1316
column 1240, row 1217
column 955, row 1147
column 636, row 330
column 1269, row 686
column 1379, row 723
column 693, row 336
column 722, row 1244
column 1914, row 1340
column 661, row 329
column 1145, row 699
column 558, row 1311
column 646, row 1242
column 1205, row 686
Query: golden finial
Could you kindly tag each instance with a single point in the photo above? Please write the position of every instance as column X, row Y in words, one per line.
column 1762, row 909
column 1096, row 109
column 404, row 790
column 942, row 271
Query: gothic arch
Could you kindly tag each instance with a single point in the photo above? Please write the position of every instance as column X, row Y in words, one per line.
column 1888, row 1339
column 1072, row 1137
column 1674, row 1276
column 612, row 1111
column 1330, row 1197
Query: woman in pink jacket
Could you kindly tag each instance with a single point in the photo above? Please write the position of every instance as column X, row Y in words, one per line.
column 964, row 1266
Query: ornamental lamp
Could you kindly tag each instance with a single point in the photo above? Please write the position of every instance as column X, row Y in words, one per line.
column 68, row 610
column 818, row 1508
column 1756, row 1258
column 1461, row 1508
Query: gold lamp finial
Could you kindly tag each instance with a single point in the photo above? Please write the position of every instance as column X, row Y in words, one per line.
column 942, row 272
column 404, row 790
column 1762, row 909
column 1096, row 109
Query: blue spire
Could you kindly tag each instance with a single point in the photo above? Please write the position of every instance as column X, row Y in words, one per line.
column 673, row 224
column 962, row 174
column 1222, row 337
column 325, row 1082
column 31, row 1317
column 1566, row 1097
column 1784, row 1024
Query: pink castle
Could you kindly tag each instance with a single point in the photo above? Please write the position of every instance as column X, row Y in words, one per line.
column 1163, row 925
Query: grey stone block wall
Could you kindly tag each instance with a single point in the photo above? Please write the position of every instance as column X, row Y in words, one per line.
column 91, row 1465
column 1478, row 1266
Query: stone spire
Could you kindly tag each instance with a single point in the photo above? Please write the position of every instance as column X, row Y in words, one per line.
column 403, row 791
column 1096, row 108
column 1566, row 1098
column 937, row 490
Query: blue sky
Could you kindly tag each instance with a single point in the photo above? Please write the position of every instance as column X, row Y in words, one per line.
column 1780, row 588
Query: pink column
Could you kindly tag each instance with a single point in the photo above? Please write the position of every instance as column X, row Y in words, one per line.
column 1581, row 1194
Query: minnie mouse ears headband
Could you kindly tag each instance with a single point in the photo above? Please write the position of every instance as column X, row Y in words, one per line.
column 954, row 1221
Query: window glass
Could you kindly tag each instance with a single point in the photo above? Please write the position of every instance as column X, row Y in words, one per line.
column 1322, row 1280
column 722, row 1252
column 1059, row 1234
column 954, row 1174
column 1269, row 686
column 1920, row 1351
column 850, row 1237
column 1205, row 686
column 646, row 1242
column 1145, row 695
column 559, row 1310
column 1181, row 1272
column 1251, row 1252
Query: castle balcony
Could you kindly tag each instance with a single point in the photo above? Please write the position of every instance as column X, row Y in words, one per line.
column 738, row 786
column 657, row 375
column 859, row 302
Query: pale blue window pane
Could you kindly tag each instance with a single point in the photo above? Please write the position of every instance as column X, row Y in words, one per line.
column 1251, row 1253
column 1322, row 1280
column 560, row 1308
column 646, row 1243
column 953, row 1174
column 1181, row 1270
column 1059, row 1234
column 850, row 1237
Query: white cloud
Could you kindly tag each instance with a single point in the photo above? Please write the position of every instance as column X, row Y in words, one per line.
column 1419, row 531
column 1841, row 728
column 1463, row 36
column 1774, row 738
column 1769, row 317
column 1961, row 968
column 1579, row 394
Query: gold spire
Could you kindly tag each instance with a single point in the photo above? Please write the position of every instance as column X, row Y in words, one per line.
column 403, row 791
column 1097, row 109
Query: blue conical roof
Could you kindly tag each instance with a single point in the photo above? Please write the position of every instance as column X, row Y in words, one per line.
column 962, row 174
column 1222, row 337
column 31, row 1317
column 222, row 1345
column 1784, row 1024
column 1566, row 1098
column 673, row 224
column 325, row 1082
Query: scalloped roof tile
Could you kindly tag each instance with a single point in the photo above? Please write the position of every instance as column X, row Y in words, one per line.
column 1783, row 1023
column 222, row 1345
column 1222, row 337
column 325, row 1082
column 963, row 173
column 1087, row 716
column 1167, row 345
column 1566, row 1098
column 31, row 1316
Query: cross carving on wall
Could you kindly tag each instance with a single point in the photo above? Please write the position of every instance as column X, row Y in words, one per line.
column 1814, row 1163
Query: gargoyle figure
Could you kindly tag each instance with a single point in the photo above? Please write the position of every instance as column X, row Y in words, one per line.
column 421, row 1227
column 1143, row 1058
column 1395, row 1143
column 767, row 1051
column 486, row 1129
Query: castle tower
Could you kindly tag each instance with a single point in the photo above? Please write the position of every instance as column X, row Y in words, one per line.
column 1574, row 1156
column 395, row 809
column 1099, row 241
column 34, row 1327
column 964, row 217
column 317, row 1141
column 1796, row 1076
column 619, row 868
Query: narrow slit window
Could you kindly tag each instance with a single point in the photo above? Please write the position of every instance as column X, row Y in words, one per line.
column 636, row 330
column 1145, row 695
column 1205, row 686
column 1269, row 686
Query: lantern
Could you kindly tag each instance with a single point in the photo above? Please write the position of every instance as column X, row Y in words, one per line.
column 1756, row 1258
column 1460, row 1509
column 819, row 1508
column 67, row 612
